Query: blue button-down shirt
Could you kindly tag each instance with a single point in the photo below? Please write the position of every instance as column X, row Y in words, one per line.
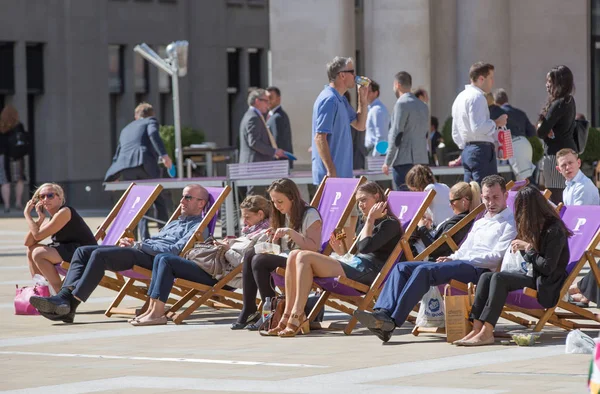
column 332, row 115
column 378, row 124
column 173, row 237
column 581, row 191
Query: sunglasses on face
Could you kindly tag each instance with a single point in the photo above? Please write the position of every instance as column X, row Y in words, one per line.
column 187, row 197
column 455, row 199
column 49, row 196
column 348, row 71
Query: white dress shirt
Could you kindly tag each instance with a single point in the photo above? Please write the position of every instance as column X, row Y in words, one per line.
column 488, row 240
column 271, row 112
column 581, row 191
column 471, row 118
column 378, row 124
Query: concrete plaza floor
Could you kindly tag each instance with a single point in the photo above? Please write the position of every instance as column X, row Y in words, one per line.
column 100, row 354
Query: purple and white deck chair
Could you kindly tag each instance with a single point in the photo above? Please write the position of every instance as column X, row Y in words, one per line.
column 335, row 198
column 584, row 222
column 121, row 222
column 216, row 197
column 512, row 195
column 409, row 208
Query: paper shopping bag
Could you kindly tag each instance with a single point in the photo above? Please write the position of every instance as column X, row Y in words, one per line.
column 505, row 147
column 456, row 309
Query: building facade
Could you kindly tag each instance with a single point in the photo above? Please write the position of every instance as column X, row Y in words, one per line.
column 69, row 66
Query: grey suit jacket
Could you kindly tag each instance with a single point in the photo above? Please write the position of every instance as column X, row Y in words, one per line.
column 411, row 119
column 279, row 124
column 254, row 140
column 139, row 145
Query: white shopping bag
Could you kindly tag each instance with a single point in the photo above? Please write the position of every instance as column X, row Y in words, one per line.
column 431, row 311
column 514, row 262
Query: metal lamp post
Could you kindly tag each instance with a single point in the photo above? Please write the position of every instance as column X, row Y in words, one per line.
column 176, row 66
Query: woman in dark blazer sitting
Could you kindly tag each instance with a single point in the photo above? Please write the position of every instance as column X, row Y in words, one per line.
column 542, row 241
column 464, row 197
column 555, row 126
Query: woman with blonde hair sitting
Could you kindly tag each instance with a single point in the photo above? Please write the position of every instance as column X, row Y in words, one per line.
column 464, row 197
column 67, row 230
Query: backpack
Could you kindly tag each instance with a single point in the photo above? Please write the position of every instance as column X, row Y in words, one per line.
column 581, row 131
column 18, row 142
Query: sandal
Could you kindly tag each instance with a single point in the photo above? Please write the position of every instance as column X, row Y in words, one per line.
column 280, row 327
column 296, row 323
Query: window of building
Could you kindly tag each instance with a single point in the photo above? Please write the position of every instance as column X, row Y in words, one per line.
column 141, row 73
column 595, row 58
column 116, row 81
column 7, row 68
column 234, row 3
column 257, row 3
column 233, row 70
column 164, row 90
column 255, row 67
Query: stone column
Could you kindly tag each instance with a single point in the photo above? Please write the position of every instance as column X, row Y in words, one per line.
column 304, row 36
column 484, row 35
column 397, row 38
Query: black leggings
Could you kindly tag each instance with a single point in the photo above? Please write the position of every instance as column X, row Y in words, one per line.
column 256, row 274
column 492, row 291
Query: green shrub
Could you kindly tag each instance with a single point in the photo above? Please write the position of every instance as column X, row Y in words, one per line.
column 537, row 147
column 447, row 135
column 592, row 147
column 188, row 136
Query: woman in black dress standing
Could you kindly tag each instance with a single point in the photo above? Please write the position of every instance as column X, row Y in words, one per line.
column 66, row 228
column 556, row 126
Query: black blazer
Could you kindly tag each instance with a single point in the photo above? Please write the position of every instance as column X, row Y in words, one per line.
column 560, row 118
column 444, row 250
column 550, row 263
column 139, row 145
column 518, row 123
column 279, row 124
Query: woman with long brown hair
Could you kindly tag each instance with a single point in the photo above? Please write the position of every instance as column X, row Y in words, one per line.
column 555, row 126
column 294, row 225
column 377, row 238
column 12, row 167
column 542, row 241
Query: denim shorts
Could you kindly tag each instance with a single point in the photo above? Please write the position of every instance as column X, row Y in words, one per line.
column 360, row 270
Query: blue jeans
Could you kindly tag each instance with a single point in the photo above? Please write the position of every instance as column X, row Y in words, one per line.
column 167, row 267
column 409, row 281
column 399, row 176
column 479, row 161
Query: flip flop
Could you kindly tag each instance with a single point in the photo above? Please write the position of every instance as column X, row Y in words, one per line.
column 154, row 322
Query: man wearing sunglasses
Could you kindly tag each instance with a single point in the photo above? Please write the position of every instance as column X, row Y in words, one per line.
column 89, row 262
column 331, row 121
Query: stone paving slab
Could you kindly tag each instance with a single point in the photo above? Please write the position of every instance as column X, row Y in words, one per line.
column 107, row 355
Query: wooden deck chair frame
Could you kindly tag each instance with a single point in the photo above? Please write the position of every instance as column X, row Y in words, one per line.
column 201, row 294
column 140, row 292
column 117, row 283
column 370, row 293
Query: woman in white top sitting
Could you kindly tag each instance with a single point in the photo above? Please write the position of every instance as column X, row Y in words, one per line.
column 421, row 179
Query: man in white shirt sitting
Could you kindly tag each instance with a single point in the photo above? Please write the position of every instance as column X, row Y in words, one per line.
column 481, row 252
column 472, row 129
column 580, row 189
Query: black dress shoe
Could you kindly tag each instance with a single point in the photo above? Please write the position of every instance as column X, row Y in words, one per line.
column 52, row 305
column 253, row 318
column 383, row 335
column 377, row 319
column 68, row 318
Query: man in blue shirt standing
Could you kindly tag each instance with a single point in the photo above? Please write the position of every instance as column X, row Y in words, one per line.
column 580, row 189
column 332, row 117
column 378, row 120
column 89, row 262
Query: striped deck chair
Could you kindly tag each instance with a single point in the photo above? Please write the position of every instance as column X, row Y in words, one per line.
column 217, row 196
column 584, row 222
column 334, row 200
column 121, row 222
column 409, row 208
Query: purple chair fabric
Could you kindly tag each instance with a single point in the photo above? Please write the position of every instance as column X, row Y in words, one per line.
column 336, row 195
column 584, row 222
column 519, row 184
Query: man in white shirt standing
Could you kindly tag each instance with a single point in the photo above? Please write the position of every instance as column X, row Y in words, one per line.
column 580, row 189
column 472, row 129
column 378, row 120
column 481, row 252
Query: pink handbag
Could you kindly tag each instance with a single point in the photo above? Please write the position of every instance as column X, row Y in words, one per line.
column 22, row 295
